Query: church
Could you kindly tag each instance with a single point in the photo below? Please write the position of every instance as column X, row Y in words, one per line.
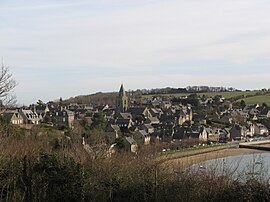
column 122, row 102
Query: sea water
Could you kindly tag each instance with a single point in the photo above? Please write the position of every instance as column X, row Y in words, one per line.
column 240, row 167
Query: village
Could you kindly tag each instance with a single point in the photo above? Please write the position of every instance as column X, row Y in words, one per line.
column 174, row 122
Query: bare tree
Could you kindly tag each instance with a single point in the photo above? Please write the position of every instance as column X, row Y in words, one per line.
column 7, row 84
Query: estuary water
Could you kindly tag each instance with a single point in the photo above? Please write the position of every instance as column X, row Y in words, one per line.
column 238, row 167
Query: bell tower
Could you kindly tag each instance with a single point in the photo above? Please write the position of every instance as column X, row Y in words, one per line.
column 121, row 101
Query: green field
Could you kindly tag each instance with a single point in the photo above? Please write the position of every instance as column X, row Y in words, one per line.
column 258, row 99
column 166, row 95
column 226, row 95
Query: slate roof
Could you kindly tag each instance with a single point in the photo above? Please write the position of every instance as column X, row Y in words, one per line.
column 143, row 133
column 126, row 115
column 137, row 110
column 130, row 140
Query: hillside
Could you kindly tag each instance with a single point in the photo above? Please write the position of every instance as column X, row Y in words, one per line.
column 226, row 94
column 100, row 98
column 259, row 99
column 96, row 99
column 250, row 97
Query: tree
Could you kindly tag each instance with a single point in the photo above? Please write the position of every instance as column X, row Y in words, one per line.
column 57, row 178
column 98, row 120
column 242, row 104
column 7, row 84
column 120, row 142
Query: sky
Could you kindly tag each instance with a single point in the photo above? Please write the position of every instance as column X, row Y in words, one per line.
column 65, row 48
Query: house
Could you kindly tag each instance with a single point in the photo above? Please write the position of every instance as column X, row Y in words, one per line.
column 153, row 121
column 41, row 110
column 197, row 133
column 227, row 105
column 264, row 112
column 184, row 115
column 125, row 116
column 199, row 119
column 131, row 145
column 13, row 117
column 212, row 134
column 167, row 132
column 226, row 119
column 109, row 114
column 63, row 117
column 217, row 134
column 112, row 132
column 156, row 112
column 237, row 132
column 142, row 137
column 215, row 117
column 29, row 117
column 148, row 128
column 251, row 129
column 260, row 129
column 179, row 133
column 165, row 104
column 85, row 118
column 140, row 111
column 124, row 121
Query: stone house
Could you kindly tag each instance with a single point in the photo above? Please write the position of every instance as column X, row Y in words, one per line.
column 140, row 111
column 112, row 132
column 156, row 112
column 41, row 110
column 197, row 133
column 148, row 128
column 13, row 117
column 63, row 117
column 185, row 115
column 264, row 112
column 131, row 145
column 237, row 132
column 167, row 132
column 142, row 137
column 124, row 121
column 251, row 129
column 217, row 134
column 153, row 121
column 260, row 129
column 226, row 119
column 29, row 117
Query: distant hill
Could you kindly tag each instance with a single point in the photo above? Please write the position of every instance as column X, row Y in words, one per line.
column 99, row 98
column 95, row 99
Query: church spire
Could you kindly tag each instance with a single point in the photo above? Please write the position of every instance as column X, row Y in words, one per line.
column 122, row 90
column 122, row 100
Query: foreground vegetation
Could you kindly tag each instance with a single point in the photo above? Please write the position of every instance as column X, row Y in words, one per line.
column 36, row 167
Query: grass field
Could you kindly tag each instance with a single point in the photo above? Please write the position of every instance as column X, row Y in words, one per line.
column 258, row 99
column 226, row 95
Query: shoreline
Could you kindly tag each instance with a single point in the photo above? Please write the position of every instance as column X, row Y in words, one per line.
column 187, row 161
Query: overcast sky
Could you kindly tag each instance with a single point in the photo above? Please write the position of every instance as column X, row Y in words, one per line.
column 64, row 48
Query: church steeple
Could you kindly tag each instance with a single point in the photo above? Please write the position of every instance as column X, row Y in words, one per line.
column 122, row 90
column 121, row 100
